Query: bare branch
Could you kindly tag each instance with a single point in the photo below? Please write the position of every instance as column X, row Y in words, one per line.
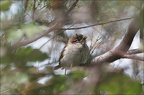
column 72, row 7
column 41, row 34
column 83, row 86
column 124, row 46
column 26, row 4
column 133, row 57
column 52, row 28
column 135, row 51
column 33, row 9
column 87, row 86
column 55, row 35
column 102, row 23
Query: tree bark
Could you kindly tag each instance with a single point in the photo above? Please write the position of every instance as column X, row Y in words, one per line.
column 123, row 47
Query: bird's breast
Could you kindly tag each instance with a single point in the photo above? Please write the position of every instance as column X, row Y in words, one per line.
column 72, row 55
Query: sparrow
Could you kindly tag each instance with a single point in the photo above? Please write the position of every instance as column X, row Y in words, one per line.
column 75, row 52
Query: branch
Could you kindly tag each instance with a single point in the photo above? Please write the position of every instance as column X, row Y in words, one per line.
column 124, row 46
column 102, row 23
column 95, row 75
column 72, row 7
column 133, row 57
column 56, row 26
column 135, row 51
column 87, row 86
column 55, row 36
column 33, row 9
column 41, row 34
column 26, row 5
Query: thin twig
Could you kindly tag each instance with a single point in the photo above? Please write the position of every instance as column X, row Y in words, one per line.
column 26, row 5
column 124, row 45
column 135, row 51
column 56, row 27
column 34, row 8
column 56, row 35
column 94, row 47
column 72, row 7
column 41, row 34
column 133, row 57
column 97, row 24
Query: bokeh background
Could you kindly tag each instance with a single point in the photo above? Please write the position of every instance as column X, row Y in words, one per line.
column 27, row 68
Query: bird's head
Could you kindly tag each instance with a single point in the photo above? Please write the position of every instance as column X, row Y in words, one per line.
column 78, row 38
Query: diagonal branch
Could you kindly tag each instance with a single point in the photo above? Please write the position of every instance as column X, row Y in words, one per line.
column 133, row 57
column 41, row 34
column 102, row 23
column 72, row 7
column 56, row 26
column 125, row 44
column 135, row 51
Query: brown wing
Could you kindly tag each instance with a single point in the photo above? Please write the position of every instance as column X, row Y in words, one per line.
column 61, row 56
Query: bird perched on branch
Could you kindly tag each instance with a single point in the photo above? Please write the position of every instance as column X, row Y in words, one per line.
column 75, row 53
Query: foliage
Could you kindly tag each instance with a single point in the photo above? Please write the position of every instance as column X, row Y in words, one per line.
column 24, row 55
column 19, row 73
column 4, row 5
column 29, row 54
column 17, row 32
column 117, row 83
column 12, row 81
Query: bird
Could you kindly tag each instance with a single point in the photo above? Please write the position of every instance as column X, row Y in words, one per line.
column 75, row 52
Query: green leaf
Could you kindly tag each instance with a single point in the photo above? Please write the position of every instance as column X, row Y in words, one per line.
column 77, row 75
column 15, row 33
column 59, row 83
column 30, row 54
column 4, row 5
column 11, row 80
column 119, row 84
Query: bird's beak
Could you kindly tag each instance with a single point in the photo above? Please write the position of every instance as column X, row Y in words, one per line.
column 84, row 38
